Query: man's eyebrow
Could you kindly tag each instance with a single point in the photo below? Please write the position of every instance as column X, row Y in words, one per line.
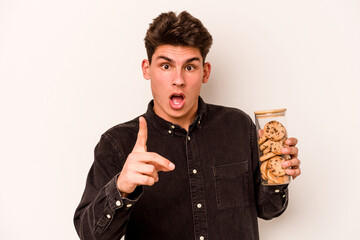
column 193, row 59
column 165, row 58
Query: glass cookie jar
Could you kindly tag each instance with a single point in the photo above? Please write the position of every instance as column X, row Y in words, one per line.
column 271, row 136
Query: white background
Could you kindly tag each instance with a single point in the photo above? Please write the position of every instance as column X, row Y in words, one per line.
column 70, row 70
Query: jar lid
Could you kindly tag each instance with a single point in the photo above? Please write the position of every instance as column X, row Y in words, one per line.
column 272, row 112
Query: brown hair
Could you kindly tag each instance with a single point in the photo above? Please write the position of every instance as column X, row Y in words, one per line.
column 181, row 30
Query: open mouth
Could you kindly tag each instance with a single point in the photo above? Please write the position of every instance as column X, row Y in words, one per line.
column 177, row 100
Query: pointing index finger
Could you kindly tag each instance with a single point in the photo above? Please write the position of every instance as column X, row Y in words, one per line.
column 140, row 145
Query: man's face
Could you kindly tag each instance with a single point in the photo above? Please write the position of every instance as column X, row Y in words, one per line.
column 176, row 75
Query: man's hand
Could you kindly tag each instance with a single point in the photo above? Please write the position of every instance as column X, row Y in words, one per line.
column 141, row 167
column 293, row 165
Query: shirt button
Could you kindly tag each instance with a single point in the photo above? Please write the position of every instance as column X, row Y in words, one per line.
column 172, row 126
column 199, row 205
column 108, row 216
column 284, row 196
column 194, row 171
column 118, row 203
column 169, row 131
column 201, row 238
column 277, row 190
column 189, row 138
column 129, row 205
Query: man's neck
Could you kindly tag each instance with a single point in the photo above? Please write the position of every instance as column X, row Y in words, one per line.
column 185, row 124
column 184, row 121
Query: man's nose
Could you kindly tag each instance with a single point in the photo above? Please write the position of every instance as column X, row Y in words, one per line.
column 178, row 79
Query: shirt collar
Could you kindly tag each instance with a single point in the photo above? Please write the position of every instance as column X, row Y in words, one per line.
column 171, row 128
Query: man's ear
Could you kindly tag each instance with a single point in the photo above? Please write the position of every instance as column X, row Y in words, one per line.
column 206, row 73
column 145, row 66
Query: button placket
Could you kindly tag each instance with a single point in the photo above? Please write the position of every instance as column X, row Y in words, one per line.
column 196, row 189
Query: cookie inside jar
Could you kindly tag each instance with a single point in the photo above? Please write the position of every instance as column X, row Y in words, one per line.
column 272, row 133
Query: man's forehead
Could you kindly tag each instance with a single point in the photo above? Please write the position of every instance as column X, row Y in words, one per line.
column 178, row 52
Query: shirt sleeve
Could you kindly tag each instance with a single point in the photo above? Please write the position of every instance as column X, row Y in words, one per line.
column 103, row 213
column 271, row 201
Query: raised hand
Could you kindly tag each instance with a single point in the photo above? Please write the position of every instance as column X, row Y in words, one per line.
column 141, row 167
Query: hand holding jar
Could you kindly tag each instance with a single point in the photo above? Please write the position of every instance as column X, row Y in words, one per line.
column 277, row 153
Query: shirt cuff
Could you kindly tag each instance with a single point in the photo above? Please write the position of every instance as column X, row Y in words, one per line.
column 117, row 201
column 276, row 189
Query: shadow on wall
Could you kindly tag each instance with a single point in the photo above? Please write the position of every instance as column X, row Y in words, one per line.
column 218, row 86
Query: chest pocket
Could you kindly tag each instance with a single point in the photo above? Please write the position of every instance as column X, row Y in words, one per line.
column 231, row 185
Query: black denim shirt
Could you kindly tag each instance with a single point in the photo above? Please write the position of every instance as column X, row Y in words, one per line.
column 214, row 192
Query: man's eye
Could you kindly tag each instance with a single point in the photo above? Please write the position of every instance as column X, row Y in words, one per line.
column 165, row 66
column 190, row 68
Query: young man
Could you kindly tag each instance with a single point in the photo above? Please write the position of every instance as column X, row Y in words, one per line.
column 214, row 192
